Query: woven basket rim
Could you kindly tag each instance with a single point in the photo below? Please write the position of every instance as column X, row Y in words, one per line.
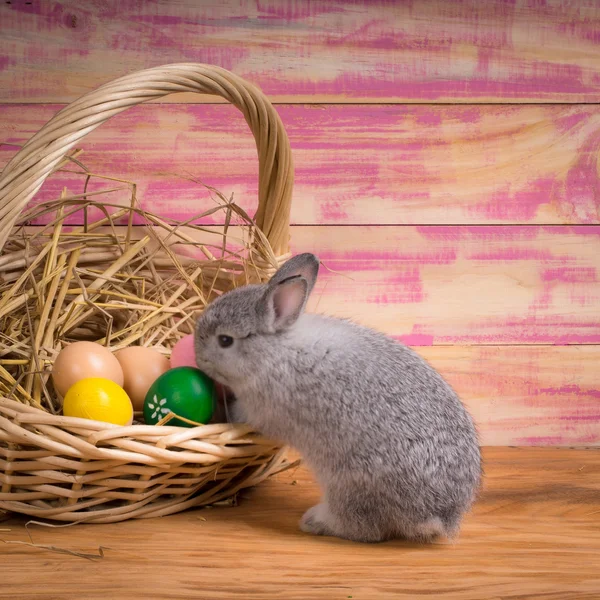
column 97, row 432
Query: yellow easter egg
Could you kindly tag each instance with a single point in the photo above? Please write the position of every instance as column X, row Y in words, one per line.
column 98, row 399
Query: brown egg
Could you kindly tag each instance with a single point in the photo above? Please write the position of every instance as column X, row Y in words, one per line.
column 81, row 360
column 141, row 368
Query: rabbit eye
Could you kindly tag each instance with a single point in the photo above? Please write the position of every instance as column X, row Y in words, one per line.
column 225, row 341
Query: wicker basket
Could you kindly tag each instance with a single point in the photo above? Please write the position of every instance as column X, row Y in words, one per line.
column 72, row 470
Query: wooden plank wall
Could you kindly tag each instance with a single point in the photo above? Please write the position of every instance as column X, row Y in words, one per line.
column 447, row 166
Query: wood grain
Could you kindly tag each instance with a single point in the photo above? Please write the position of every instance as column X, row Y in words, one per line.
column 312, row 50
column 354, row 164
column 461, row 285
column 534, row 534
column 452, row 285
column 371, row 181
column 526, row 395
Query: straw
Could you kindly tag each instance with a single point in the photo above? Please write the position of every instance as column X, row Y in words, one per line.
column 72, row 289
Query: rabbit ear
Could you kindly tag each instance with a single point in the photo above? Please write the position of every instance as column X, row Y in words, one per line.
column 302, row 265
column 283, row 303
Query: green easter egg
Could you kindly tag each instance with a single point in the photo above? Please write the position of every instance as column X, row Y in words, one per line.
column 185, row 391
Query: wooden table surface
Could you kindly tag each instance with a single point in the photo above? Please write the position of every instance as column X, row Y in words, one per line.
column 535, row 533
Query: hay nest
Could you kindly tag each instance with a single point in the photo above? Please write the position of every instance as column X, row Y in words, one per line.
column 113, row 284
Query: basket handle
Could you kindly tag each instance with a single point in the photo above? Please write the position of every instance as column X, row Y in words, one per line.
column 26, row 172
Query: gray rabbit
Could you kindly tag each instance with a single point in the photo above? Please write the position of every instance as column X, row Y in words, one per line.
column 393, row 448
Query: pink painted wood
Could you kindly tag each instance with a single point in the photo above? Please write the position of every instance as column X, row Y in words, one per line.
column 354, row 164
column 461, row 285
column 418, row 210
column 526, row 395
column 312, row 50
column 450, row 285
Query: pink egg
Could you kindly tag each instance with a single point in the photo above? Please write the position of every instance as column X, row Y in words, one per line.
column 182, row 354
